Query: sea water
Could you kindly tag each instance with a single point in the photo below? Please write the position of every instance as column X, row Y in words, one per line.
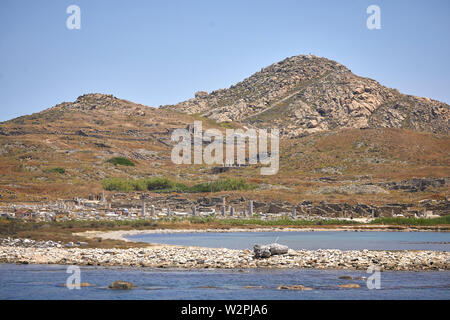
column 46, row 282
column 343, row 240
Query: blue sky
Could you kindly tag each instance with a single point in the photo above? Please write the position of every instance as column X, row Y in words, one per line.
column 161, row 52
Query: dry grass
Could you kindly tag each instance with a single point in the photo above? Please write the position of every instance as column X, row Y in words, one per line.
column 359, row 156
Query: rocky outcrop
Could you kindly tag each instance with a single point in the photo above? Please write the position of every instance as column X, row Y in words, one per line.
column 306, row 94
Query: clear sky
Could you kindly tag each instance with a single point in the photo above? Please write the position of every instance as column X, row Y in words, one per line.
column 161, row 52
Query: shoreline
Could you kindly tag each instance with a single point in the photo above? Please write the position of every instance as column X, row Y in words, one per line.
column 192, row 258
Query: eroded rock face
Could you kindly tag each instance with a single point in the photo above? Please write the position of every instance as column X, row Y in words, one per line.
column 306, row 94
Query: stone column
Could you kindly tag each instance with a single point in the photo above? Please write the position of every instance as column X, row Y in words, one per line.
column 152, row 210
column 144, row 213
column 194, row 209
column 294, row 213
column 250, row 208
column 168, row 212
column 231, row 211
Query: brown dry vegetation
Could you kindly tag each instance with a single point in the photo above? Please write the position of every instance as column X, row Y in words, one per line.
column 32, row 145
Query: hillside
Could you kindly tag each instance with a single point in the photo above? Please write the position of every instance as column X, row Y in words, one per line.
column 345, row 165
column 346, row 140
column 306, row 94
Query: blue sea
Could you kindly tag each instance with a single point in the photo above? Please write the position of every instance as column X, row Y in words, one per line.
column 45, row 282
column 343, row 240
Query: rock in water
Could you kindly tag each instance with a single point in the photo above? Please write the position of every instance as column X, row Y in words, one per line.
column 350, row 285
column 82, row 284
column 293, row 287
column 265, row 251
column 122, row 285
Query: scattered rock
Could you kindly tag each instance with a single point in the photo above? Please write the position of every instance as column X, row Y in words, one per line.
column 349, row 285
column 201, row 258
column 82, row 285
column 294, row 287
column 122, row 285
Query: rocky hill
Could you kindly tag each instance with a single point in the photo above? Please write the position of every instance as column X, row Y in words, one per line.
column 401, row 157
column 306, row 94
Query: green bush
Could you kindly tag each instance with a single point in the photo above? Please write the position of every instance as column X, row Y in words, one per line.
column 56, row 170
column 123, row 185
column 162, row 184
column 121, row 161
column 159, row 183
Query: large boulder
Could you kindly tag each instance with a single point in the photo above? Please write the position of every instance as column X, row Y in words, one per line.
column 201, row 94
column 261, row 251
column 265, row 251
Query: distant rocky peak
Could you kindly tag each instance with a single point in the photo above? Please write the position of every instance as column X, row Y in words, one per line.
column 92, row 101
column 305, row 94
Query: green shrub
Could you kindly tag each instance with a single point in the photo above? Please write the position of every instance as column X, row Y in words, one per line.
column 159, row 183
column 56, row 170
column 121, row 161
column 162, row 184
column 123, row 185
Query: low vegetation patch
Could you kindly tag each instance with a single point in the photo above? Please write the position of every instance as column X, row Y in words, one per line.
column 121, row 161
column 222, row 185
column 55, row 170
column 162, row 184
column 412, row 221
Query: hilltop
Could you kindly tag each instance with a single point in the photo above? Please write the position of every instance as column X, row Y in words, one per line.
column 306, row 94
